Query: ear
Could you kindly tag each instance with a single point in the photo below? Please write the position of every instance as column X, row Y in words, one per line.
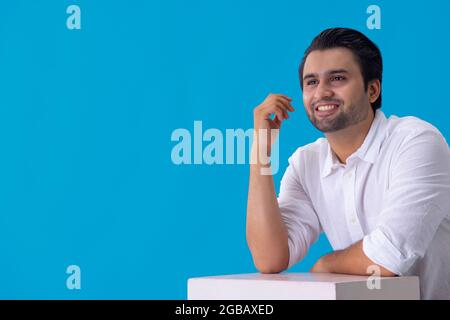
column 374, row 90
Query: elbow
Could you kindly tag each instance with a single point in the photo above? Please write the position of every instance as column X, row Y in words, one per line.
column 275, row 260
column 270, row 268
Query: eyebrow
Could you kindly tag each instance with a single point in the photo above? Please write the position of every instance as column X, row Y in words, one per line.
column 331, row 72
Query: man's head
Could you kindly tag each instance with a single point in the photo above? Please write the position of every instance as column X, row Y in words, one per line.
column 341, row 70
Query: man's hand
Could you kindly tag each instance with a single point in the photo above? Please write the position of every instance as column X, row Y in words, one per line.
column 277, row 104
column 320, row 266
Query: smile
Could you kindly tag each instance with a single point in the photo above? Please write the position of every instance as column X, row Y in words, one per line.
column 326, row 110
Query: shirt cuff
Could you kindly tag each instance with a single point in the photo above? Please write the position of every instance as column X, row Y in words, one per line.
column 378, row 248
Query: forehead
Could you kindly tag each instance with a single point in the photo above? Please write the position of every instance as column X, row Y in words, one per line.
column 321, row 61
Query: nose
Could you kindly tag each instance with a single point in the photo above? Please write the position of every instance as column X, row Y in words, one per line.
column 323, row 91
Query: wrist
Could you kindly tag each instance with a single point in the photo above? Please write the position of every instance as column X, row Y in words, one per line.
column 260, row 156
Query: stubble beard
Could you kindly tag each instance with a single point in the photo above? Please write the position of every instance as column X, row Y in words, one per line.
column 342, row 119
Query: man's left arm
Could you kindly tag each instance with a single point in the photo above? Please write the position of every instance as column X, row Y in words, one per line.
column 349, row 261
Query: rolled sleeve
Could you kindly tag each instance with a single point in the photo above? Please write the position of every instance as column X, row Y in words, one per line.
column 389, row 256
column 417, row 201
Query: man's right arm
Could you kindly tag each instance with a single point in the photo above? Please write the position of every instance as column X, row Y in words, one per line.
column 267, row 235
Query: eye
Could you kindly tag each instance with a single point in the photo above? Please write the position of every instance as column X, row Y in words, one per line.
column 337, row 78
column 311, row 82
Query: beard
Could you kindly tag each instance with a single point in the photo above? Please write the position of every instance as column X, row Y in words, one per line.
column 342, row 119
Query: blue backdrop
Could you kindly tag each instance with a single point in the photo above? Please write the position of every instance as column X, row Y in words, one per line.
column 86, row 117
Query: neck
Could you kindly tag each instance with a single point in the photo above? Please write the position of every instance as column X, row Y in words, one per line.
column 346, row 141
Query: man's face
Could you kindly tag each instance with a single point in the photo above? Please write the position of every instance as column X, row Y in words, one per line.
column 333, row 90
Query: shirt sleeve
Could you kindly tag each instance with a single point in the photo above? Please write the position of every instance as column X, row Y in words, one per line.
column 298, row 214
column 418, row 200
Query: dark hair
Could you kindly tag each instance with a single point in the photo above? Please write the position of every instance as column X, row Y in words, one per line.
column 367, row 54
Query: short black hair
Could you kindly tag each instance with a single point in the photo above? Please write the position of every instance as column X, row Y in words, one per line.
column 367, row 54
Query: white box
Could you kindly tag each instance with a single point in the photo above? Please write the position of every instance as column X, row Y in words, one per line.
column 302, row 286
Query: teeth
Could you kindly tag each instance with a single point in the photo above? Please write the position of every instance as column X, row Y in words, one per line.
column 324, row 108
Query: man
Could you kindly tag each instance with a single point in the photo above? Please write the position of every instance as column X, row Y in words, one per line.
column 378, row 187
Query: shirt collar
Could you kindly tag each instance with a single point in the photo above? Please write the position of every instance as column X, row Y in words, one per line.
column 368, row 151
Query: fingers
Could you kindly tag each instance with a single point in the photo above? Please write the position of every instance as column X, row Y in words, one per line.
column 277, row 122
column 282, row 108
column 277, row 104
column 278, row 111
column 286, row 102
column 283, row 99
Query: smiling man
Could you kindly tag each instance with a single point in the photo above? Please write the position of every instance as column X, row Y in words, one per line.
column 378, row 187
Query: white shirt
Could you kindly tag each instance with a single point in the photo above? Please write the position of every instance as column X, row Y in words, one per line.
column 393, row 193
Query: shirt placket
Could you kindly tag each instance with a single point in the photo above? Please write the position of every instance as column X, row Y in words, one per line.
column 353, row 223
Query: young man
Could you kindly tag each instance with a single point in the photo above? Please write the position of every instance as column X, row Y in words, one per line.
column 379, row 188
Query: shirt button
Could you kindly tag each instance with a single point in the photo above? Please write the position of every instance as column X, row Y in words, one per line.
column 353, row 220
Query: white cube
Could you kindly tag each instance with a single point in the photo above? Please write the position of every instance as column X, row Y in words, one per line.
column 302, row 286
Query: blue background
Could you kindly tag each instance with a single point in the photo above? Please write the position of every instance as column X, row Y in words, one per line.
column 86, row 117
